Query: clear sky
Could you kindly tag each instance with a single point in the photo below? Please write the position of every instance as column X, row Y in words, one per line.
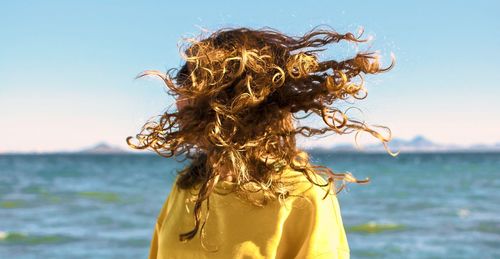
column 67, row 68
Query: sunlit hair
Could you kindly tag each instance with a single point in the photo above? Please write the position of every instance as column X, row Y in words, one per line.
column 245, row 88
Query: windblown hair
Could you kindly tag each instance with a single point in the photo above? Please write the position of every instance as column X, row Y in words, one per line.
column 245, row 88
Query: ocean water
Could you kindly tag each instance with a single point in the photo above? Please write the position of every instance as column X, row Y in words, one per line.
column 105, row 206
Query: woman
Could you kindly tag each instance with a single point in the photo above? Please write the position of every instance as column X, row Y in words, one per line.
column 248, row 191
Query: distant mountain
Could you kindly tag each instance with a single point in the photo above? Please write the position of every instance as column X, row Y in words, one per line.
column 102, row 148
column 417, row 144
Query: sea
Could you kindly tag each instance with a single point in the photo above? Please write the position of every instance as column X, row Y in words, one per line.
column 417, row 205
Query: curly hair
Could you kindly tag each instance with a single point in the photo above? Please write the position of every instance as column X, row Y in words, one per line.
column 245, row 88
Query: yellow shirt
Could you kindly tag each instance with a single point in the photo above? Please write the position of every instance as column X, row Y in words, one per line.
column 307, row 227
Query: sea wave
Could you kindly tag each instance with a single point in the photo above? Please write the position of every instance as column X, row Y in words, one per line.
column 28, row 239
column 373, row 227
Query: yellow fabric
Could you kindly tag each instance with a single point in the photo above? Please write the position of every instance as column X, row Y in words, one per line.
column 303, row 227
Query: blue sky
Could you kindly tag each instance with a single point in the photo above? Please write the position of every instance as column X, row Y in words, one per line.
column 67, row 67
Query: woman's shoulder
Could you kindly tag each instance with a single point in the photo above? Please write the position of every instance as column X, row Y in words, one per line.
column 317, row 216
column 300, row 183
column 296, row 183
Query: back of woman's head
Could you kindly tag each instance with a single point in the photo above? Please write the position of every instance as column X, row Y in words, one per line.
column 244, row 89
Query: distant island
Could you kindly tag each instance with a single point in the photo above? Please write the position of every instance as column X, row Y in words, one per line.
column 415, row 145
column 102, row 148
column 97, row 149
